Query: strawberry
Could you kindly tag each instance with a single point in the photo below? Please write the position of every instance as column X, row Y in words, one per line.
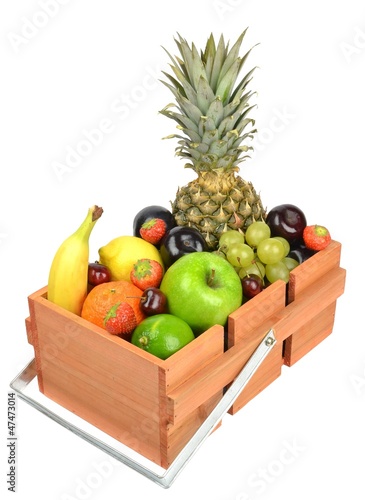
column 316, row 237
column 153, row 230
column 120, row 319
column 146, row 273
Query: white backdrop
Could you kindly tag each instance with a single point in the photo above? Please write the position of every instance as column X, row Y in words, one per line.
column 70, row 67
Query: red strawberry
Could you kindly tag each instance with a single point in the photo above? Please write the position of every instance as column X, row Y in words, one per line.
column 146, row 273
column 120, row 319
column 153, row 230
column 316, row 237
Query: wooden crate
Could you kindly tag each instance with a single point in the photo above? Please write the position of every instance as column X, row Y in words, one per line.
column 154, row 406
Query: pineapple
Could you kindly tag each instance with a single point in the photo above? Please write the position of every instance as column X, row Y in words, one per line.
column 211, row 112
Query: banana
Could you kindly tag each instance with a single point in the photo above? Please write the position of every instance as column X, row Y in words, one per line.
column 67, row 280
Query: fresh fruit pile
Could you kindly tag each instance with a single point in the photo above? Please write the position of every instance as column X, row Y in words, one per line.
column 217, row 247
column 161, row 295
column 270, row 249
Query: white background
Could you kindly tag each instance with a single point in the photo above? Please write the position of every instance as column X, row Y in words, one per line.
column 72, row 70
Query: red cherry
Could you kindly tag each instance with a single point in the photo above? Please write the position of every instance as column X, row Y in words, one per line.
column 98, row 274
column 251, row 285
column 153, row 301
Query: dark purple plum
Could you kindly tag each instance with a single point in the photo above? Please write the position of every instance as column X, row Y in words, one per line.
column 300, row 252
column 287, row 221
column 153, row 212
column 179, row 241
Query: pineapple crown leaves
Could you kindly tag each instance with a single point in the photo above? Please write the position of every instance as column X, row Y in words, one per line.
column 210, row 110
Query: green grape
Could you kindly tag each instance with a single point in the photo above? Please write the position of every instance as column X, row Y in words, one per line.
column 240, row 255
column 256, row 267
column 285, row 243
column 277, row 271
column 230, row 238
column 256, row 232
column 290, row 263
column 270, row 251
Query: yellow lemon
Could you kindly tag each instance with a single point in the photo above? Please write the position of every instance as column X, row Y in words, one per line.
column 121, row 253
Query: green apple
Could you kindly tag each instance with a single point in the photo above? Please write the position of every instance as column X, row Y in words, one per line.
column 202, row 289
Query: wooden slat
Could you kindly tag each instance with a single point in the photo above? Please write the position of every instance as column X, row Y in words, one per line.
column 177, row 369
column 33, row 328
column 267, row 373
column 311, row 302
column 317, row 327
column 190, row 360
column 178, row 435
column 309, row 335
column 243, row 322
column 28, row 329
column 311, row 270
column 252, row 321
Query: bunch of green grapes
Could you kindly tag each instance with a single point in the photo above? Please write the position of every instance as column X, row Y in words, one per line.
column 256, row 252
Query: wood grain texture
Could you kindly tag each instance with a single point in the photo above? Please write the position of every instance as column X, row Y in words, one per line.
column 308, row 336
column 314, row 287
column 312, row 269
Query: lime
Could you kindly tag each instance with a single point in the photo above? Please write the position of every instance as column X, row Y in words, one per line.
column 162, row 335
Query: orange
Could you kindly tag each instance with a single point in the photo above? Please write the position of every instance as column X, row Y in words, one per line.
column 103, row 297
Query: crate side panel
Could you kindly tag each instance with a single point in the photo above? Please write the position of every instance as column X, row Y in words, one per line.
column 106, row 367
column 245, row 321
column 101, row 360
column 177, row 436
column 310, row 302
column 119, row 383
column 192, row 358
column 31, row 328
column 185, row 365
column 309, row 335
column 251, row 323
column 28, row 329
column 112, row 415
column 266, row 374
column 313, row 268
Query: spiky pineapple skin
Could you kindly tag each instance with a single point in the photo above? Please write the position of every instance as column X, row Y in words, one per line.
column 212, row 108
column 216, row 202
